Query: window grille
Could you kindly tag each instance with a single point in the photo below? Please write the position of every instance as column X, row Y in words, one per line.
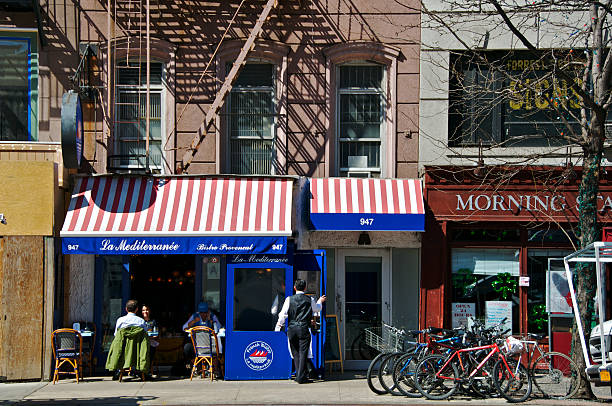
column 131, row 116
column 251, row 121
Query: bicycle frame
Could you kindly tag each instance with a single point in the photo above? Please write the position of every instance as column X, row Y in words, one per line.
column 494, row 350
column 532, row 346
column 431, row 344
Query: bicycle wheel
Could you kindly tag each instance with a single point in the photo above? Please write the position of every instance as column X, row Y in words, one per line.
column 556, row 376
column 433, row 381
column 403, row 374
column 481, row 385
column 385, row 373
column 513, row 384
column 360, row 350
column 372, row 374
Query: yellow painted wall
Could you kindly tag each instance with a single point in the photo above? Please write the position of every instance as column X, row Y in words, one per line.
column 27, row 195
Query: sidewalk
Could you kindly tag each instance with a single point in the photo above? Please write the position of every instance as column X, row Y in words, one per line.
column 345, row 389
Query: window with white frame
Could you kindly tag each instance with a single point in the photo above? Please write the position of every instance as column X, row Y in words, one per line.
column 360, row 117
column 251, row 120
column 131, row 116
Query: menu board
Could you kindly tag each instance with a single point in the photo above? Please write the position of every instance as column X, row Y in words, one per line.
column 461, row 312
column 332, row 350
column 496, row 311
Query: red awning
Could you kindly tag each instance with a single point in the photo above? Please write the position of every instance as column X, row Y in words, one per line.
column 165, row 206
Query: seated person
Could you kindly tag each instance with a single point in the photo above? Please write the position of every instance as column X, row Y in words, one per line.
column 203, row 317
column 128, row 348
column 151, row 326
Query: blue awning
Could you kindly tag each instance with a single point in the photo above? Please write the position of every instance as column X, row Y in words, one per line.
column 367, row 204
column 174, row 245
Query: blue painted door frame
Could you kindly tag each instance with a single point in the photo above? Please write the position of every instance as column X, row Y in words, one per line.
column 244, row 358
column 315, row 260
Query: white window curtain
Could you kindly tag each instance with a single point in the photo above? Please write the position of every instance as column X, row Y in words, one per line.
column 486, row 261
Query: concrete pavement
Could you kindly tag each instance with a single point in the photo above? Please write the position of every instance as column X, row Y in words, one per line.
column 345, row 389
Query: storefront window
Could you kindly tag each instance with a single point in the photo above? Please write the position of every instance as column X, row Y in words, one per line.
column 485, row 285
column 476, row 234
column 537, row 270
column 259, row 294
column 211, row 283
column 552, row 236
column 112, row 306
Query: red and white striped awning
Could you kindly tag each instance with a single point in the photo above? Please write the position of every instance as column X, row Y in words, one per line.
column 367, row 204
column 170, row 206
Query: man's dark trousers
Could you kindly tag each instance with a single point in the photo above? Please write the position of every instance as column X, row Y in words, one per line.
column 299, row 341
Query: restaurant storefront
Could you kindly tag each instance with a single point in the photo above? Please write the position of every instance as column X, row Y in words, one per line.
column 238, row 244
column 494, row 247
column 172, row 242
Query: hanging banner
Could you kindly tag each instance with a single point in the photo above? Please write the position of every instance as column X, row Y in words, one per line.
column 174, row 245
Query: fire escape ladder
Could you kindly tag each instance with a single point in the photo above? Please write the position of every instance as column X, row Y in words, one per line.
column 227, row 85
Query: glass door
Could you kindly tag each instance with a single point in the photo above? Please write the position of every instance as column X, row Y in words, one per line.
column 112, row 291
column 363, row 300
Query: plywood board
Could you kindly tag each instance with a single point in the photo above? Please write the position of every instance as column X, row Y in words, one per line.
column 49, row 289
column 27, row 197
column 2, row 312
column 22, row 307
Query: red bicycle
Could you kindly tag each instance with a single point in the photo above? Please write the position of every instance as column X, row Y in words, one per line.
column 438, row 377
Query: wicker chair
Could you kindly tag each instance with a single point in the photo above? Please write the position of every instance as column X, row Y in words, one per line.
column 67, row 348
column 206, row 347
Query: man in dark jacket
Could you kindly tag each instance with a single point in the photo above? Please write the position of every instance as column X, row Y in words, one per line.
column 298, row 310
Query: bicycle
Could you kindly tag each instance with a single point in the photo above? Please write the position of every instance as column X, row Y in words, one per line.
column 554, row 374
column 438, row 377
column 389, row 341
column 406, row 364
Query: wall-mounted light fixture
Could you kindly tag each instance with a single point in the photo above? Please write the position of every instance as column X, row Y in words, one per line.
column 364, row 239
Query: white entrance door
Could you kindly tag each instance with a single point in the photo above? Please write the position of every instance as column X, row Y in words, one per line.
column 363, row 299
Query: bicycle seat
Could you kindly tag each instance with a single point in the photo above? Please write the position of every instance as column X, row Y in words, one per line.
column 414, row 333
column 536, row 336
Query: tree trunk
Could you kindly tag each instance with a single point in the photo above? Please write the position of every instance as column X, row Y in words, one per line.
column 584, row 274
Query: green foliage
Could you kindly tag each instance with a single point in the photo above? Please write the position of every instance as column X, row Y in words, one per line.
column 538, row 317
column 505, row 284
column 463, row 279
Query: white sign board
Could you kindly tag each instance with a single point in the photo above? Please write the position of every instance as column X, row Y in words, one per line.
column 559, row 299
column 523, row 280
column 461, row 312
column 496, row 311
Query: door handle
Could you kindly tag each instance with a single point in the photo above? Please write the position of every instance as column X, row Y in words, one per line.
column 339, row 306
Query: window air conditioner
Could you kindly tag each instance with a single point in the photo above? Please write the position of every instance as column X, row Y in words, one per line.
column 359, row 174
